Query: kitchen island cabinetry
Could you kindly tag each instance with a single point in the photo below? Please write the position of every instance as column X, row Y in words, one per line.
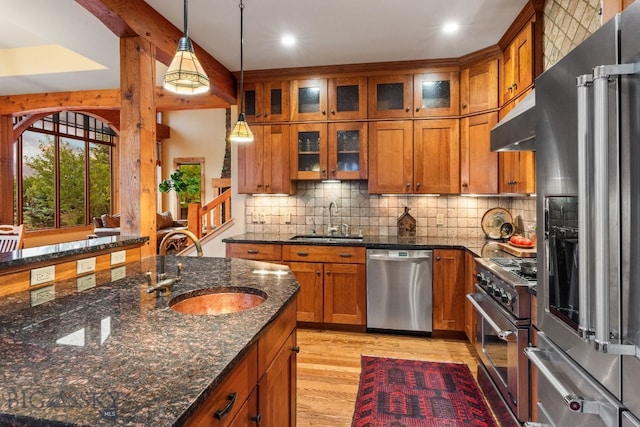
column 478, row 165
column 263, row 166
column 332, row 283
column 266, row 102
column 449, row 290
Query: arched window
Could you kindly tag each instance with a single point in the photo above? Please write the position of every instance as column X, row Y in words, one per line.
column 63, row 172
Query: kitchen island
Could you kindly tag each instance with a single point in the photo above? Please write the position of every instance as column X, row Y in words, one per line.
column 117, row 355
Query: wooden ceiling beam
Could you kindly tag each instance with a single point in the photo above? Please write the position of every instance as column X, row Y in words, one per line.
column 124, row 16
column 103, row 99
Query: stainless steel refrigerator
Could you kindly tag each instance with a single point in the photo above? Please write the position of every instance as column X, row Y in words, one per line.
column 588, row 209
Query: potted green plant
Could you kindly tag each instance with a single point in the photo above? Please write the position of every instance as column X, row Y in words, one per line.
column 186, row 187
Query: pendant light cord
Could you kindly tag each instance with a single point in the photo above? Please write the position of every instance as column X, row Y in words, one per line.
column 186, row 11
column 241, row 101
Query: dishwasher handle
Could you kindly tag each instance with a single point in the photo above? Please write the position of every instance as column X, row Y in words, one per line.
column 379, row 257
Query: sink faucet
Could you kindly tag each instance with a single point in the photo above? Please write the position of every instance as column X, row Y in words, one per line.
column 163, row 249
column 332, row 228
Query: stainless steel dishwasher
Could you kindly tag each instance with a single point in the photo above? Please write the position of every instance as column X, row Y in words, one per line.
column 399, row 290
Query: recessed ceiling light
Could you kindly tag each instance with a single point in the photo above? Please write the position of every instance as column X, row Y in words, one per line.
column 288, row 40
column 450, row 27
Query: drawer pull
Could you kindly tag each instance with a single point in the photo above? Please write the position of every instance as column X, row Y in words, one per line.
column 303, row 253
column 221, row 413
column 345, row 255
column 257, row 419
column 252, row 251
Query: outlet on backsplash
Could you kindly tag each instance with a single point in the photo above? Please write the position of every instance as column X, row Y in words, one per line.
column 255, row 216
column 287, row 217
column 440, row 219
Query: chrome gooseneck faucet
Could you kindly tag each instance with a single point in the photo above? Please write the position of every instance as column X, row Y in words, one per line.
column 332, row 228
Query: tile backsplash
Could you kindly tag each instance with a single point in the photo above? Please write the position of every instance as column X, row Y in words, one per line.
column 436, row 216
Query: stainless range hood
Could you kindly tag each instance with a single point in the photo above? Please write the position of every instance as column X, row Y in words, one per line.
column 517, row 130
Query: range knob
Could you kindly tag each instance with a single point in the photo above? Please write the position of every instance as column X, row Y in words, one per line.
column 505, row 298
column 497, row 291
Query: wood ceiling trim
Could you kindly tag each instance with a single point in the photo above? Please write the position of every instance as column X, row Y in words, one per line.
column 126, row 16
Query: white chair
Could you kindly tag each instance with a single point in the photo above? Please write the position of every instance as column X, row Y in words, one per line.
column 11, row 237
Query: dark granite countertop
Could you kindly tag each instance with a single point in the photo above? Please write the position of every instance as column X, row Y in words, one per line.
column 61, row 250
column 480, row 247
column 116, row 355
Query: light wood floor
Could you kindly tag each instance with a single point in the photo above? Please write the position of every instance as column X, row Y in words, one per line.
column 329, row 368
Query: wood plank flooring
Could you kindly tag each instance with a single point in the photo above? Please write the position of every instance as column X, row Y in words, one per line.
column 329, row 368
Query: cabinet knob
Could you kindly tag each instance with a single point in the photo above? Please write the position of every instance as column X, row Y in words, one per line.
column 257, row 419
column 465, row 185
column 266, row 114
column 417, row 109
column 296, row 349
column 464, row 106
column 328, row 272
column 259, row 185
column 437, row 258
column 408, row 184
column 333, row 111
column 417, row 185
column 324, row 171
column 257, row 114
column 266, row 186
column 515, row 86
column 407, row 109
column 317, row 272
column 324, row 112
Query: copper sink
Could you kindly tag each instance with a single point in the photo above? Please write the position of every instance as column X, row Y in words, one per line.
column 219, row 301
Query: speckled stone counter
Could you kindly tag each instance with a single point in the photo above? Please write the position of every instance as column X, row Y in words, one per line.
column 115, row 355
column 25, row 257
column 480, row 247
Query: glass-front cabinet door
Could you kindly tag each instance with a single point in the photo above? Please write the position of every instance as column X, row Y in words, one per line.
column 309, row 151
column 436, row 94
column 390, row 96
column 309, row 99
column 347, row 98
column 347, row 150
column 266, row 101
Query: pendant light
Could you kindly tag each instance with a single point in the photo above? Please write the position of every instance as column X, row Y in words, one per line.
column 185, row 74
column 241, row 131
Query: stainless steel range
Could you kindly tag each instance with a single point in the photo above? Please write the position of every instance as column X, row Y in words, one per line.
column 502, row 302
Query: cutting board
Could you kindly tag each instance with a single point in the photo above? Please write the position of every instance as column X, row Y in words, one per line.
column 519, row 252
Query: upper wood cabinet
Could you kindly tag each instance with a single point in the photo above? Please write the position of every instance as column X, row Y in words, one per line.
column 517, row 169
column 391, row 96
column 263, row 165
column 518, row 64
column 436, row 94
column 478, row 165
column 329, row 151
column 266, row 101
column 420, row 157
column 479, row 87
column 347, row 98
column 391, row 157
column 436, row 156
column 309, row 99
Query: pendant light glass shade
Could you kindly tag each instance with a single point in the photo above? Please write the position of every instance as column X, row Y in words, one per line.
column 241, row 131
column 185, row 74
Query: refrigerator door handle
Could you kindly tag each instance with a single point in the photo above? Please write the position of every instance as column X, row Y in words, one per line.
column 585, row 147
column 601, row 78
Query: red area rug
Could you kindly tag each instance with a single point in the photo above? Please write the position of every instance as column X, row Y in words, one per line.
column 409, row 393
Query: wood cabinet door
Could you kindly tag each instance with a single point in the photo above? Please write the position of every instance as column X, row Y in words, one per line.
column 478, row 164
column 507, row 77
column 390, row 157
column 436, row 94
column 275, row 101
column 277, row 388
column 523, row 64
column 448, row 290
column 436, row 157
column 479, row 87
column 469, row 288
column 251, row 164
column 277, row 179
column 347, row 98
column 253, row 101
column 390, row 96
column 347, row 158
column 310, row 298
column 345, row 297
column 308, row 150
column 309, row 99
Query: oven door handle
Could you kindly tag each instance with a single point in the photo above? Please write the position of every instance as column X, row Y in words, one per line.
column 504, row 335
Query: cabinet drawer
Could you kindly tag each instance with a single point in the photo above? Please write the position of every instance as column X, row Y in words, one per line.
column 258, row 251
column 241, row 381
column 340, row 254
